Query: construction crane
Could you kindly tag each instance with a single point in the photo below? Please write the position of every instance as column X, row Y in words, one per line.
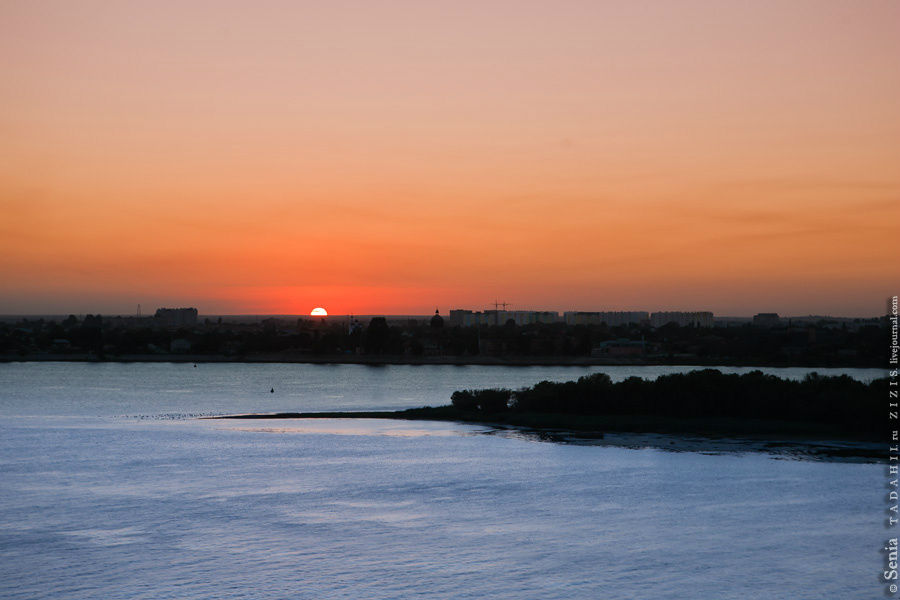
column 497, row 306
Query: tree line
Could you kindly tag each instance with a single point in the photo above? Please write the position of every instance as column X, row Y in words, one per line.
column 820, row 344
column 838, row 401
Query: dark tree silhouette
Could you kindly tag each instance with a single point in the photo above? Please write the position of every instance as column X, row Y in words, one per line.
column 377, row 335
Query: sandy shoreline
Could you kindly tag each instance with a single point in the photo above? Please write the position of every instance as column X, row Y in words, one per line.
column 788, row 448
column 796, row 447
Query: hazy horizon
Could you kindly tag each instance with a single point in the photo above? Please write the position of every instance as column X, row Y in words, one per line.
column 389, row 156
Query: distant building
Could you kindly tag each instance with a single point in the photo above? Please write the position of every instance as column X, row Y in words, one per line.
column 176, row 317
column 682, row 319
column 464, row 318
column 611, row 318
column 766, row 320
column 529, row 317
column 468, row 318
column 545, row 316
column 496, row 317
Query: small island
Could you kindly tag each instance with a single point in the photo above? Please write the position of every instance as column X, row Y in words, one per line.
column 828, row 417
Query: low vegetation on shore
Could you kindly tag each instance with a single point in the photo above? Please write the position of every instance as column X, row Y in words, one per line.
column 705, row 402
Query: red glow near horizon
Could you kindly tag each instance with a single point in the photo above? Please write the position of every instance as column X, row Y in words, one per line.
column 605, row 156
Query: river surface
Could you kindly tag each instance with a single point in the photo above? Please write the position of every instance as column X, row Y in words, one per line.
column 109, row 488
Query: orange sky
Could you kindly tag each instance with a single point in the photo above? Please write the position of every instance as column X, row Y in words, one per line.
column 393, row 157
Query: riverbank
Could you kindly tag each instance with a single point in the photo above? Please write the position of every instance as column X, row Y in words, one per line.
column 706, row 435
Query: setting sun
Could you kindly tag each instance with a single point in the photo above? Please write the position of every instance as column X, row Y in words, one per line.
column 611, row 155
column 318, row 312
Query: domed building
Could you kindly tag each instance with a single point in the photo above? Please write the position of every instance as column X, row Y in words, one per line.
column 437, row 321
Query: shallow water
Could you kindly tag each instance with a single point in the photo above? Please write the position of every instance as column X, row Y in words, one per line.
column 94, row 504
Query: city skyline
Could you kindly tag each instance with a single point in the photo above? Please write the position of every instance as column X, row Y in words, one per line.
column 372, row 159
column 485, row 315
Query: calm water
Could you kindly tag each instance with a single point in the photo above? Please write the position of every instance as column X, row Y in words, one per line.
column 153, row 389
column 109, row 490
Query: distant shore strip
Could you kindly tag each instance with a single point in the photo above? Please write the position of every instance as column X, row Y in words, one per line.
column 462, row 361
